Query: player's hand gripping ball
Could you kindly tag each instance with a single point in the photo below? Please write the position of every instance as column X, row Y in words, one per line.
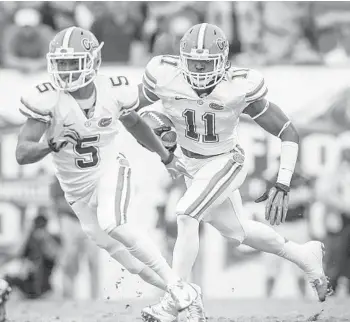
column 162, row 127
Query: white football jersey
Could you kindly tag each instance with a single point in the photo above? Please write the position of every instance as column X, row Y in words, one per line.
column 205, row 125
column 79, row 166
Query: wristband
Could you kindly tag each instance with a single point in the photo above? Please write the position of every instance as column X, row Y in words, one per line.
column 284, row 188
column 289, row 155
column 170, row 158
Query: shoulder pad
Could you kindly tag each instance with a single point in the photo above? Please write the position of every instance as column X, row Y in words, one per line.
column 253, row 81
column 38, row 102
column 159, row 70
column 125, row 93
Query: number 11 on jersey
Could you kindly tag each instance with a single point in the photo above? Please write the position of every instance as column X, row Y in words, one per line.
column 209, row 126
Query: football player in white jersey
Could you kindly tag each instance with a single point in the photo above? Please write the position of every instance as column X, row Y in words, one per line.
column 75, row 118
column 204, row 97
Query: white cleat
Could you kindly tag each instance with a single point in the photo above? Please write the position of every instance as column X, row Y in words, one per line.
column 195, row 312
column 164, row 311
column 313, row 268
column 183, row 294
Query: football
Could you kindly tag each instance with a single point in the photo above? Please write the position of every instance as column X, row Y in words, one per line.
column 162, row 127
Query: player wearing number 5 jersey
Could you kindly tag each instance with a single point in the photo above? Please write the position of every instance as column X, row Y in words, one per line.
column 204, row 97
column 75, row 118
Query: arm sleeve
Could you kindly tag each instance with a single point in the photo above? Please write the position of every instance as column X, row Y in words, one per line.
column 151, row 75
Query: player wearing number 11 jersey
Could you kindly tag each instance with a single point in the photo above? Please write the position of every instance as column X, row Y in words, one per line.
column 204, row 97
column 76, row 119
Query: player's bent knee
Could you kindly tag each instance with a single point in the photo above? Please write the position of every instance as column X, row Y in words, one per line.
column 187, row 226
column 237, row 236
column 108, row 220
column 183, row 213
column 108, row 226
column 183, row 219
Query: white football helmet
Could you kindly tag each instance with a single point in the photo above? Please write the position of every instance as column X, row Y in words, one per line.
column 208, row 43
column 74, row 58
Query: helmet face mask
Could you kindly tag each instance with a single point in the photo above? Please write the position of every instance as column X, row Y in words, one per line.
column 75, row 66
column 212, row 51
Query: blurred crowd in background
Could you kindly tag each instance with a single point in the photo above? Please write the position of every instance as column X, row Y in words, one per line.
column 259, row 33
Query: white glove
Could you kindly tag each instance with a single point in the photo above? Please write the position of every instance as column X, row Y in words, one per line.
column 175, row 167
column 277, row 203
column 60, row 141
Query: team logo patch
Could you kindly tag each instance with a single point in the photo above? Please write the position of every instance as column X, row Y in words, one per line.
column 222, row 44
column 105, row 122
column 237, row 157
column 216, row 106
column 87, row 44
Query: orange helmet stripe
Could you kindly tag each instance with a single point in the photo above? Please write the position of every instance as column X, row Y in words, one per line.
column 67, row 37
column 201, row 35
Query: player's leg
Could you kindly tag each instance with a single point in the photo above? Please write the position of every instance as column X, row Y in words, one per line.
column 208, row 188
column 210, row 182
column 70, row 255
column 88, row 220
column 204, row 190
column 113, row 199
column 263, row 237
column 308, row 256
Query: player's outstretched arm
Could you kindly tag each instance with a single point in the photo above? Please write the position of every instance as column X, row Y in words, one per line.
column 272, row 119
column 29, row 149
column 141, row 131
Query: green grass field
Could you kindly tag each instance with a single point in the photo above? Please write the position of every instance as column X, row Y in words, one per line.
column 337, row 310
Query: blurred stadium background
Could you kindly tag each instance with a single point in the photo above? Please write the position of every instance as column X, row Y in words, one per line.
column 302, row 48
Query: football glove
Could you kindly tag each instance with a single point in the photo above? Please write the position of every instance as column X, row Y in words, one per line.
column 159, row 131
column 175, row 167
column 66, row 136
column 277, row 203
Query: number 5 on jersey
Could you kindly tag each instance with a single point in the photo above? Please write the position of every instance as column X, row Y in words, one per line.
column 209, row 126
column 89, row 153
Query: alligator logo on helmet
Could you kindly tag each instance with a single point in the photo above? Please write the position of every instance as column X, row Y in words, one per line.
column 87, row 44
column 222, row 44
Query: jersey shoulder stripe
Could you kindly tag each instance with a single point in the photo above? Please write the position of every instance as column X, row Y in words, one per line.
column 38, row 103
column 150, row 78
column 256, row 86
column 148, row 84
column 150, row 96
column 159, row 71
